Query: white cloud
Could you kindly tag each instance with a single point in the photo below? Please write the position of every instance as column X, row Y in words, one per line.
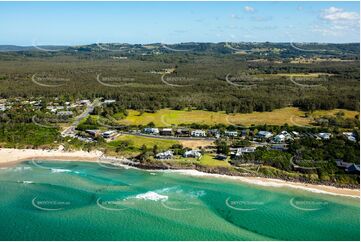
column 248, row 9
column 338, row 14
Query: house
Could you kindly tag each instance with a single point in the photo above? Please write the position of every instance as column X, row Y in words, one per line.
column 295, row 133
column 214, row 132
column 348, row 167
column 166, row 132
column 280, row 147
column 324, row 136
column 164, row 155
column 264, row 135
column 84, row 102
column 230, row 133
column 183, row 132
column 2, row 107
column 282, row 137
column 109, row 134
column 151, row 131
column 198, row 133
column 221, row 157
column 244, row 132
column 350, row 136
column 240, row 151
column 93, row 132
column 192, row 153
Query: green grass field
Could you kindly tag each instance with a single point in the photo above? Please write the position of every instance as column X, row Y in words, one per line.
column 167, row 117
column 138, row 141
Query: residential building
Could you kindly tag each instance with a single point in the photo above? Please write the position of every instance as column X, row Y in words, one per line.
column 324, row 136
column 154, row 131
column 198, row 133
column 192, row 153
column 166, row 132
column 230, row 133
column 183, row 132
column 264, row 135
column 109, row 134
column 164, row 155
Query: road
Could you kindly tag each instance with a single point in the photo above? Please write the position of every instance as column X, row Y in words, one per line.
column 169, row 137
column 70, row 131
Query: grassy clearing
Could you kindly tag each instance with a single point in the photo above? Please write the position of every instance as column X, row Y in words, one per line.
column 320, row 113
column 167, row 117
column 208, row 160
column 138, row 141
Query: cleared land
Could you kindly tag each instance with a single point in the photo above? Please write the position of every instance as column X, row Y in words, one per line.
column 167, row 117
column 138, row 141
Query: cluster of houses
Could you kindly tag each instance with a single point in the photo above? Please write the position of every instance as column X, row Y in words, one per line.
column 187, row 154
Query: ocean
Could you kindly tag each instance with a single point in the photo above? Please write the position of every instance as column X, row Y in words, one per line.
column 44, row 200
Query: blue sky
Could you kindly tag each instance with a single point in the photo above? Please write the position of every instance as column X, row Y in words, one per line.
column 74, row 23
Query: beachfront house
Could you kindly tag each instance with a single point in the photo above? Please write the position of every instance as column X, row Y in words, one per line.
column 192, row 154
column 348, row 167
column 238, row 152
column 164, row 155
column 198, row 133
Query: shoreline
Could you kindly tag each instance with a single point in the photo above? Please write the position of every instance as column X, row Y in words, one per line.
column 9, row 157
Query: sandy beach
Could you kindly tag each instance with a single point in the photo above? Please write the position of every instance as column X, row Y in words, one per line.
column 10, row 157
column 13, row 156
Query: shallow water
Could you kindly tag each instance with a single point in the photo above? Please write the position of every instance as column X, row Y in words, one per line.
column 85, row 201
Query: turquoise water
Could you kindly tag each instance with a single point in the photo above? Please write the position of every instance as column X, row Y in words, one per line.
column 86, row 201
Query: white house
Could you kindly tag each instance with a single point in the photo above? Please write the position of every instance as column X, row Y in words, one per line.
column 230, row 133
column 192, row 153
column 324, row 136
column 164, row 155
column 151, row 130
column 109, row 134
column 198, row 133
column 264, row 134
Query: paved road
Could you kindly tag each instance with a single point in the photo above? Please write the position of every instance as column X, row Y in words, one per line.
column 169, row 137
column 70, row 131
